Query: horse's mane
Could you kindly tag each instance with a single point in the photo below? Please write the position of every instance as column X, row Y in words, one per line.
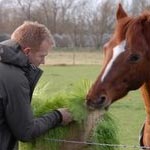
column 139, row 30
column 121, row 28
column 133, row 25
column 145, row 16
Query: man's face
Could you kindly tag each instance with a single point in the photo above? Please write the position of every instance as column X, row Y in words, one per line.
column 38, row 57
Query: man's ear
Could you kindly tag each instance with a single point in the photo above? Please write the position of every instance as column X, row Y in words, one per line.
column 26, row 51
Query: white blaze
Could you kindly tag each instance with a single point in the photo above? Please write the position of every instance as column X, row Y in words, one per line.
column 116, row 52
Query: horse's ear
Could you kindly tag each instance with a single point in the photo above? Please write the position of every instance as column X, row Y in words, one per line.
column 120, row 12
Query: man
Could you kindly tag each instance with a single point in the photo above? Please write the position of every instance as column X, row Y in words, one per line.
column 19, row 60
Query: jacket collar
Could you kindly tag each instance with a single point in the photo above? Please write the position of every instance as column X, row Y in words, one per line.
column 11, row 53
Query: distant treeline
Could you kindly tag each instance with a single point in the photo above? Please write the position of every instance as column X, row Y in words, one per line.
column 73, row 23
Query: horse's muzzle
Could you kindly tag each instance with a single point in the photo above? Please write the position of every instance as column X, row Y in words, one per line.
column 100, row 103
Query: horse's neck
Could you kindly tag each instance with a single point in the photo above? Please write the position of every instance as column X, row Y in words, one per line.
column 146, row 95
column 145, row 89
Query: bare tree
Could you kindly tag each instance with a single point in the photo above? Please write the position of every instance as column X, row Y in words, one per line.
column 26, row 7
column 83, row 22
column 102, row 22
column 51, row 9
column 66, row 5
column 137, row 6
column 79, row 16
column 45, row 6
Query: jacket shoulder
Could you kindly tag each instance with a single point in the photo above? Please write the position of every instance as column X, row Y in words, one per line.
column 11, row 75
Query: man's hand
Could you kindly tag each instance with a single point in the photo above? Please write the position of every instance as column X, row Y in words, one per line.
column 66, row 116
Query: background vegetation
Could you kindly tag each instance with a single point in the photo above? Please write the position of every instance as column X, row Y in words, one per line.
column 73, row 23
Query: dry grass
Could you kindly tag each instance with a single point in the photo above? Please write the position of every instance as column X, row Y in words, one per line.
column 74, row 58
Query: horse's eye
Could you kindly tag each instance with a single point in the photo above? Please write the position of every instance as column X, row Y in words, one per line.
column 134, row 57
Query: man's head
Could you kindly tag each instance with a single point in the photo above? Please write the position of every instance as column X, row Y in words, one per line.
column 35, row 40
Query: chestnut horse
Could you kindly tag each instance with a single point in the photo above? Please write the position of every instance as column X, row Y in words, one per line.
column 126, row 66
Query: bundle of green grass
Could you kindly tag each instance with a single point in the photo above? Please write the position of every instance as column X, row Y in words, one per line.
column 90, row 126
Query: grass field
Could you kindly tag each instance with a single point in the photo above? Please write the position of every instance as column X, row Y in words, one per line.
column 128, row 113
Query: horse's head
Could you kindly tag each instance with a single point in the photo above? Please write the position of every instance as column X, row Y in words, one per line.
column 127, row 60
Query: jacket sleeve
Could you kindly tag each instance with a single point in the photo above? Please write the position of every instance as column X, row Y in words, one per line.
column 19, row 114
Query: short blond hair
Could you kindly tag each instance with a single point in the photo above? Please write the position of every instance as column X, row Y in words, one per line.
column 32, row 34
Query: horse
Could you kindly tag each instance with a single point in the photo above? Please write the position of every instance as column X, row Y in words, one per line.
column 126, row 66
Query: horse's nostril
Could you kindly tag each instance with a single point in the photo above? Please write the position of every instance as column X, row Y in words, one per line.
column 101, row 100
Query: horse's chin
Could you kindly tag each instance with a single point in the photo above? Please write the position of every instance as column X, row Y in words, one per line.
column 101, row 112
column 99, row 108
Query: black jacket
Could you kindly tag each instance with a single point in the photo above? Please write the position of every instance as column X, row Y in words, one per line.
column 17, row 82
